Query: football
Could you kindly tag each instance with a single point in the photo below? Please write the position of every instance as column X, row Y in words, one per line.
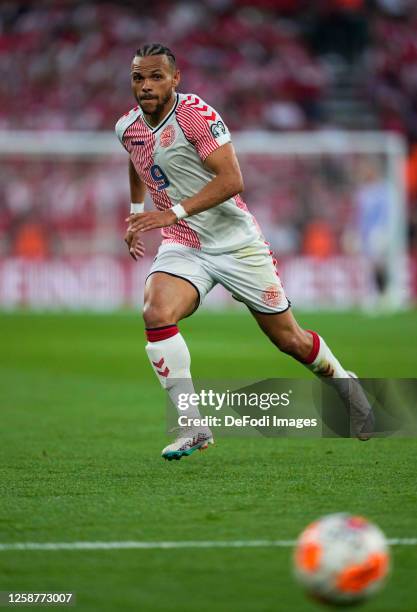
column 341, row 559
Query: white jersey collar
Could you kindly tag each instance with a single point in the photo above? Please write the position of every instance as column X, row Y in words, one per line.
column 164, row 120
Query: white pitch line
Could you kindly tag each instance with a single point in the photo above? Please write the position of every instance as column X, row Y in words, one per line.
column 168, row 545
column 145, row 545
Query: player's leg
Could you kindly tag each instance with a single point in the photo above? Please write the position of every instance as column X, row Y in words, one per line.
column 173, row 290
column 311, row 350
column 168, row 299
column 251, row 276
column 304, row 345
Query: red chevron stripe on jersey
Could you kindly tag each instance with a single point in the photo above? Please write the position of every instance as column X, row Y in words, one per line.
column 210, row 117
column 194, row 102
column 192, row 122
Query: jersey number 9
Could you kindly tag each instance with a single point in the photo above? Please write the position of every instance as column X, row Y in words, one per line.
column 159, row 177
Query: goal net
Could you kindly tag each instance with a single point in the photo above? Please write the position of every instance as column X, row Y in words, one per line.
column 331, row 205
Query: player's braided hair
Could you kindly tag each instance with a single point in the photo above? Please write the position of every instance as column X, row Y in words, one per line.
column 156, row 49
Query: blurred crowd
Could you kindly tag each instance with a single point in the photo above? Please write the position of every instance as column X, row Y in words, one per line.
column 393, row 62
column 65, row 63
column 264, row 64
column 317, row 206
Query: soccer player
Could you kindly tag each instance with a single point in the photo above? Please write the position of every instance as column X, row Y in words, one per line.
column 181, row 152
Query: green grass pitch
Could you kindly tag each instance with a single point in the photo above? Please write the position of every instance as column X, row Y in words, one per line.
column 82, row 427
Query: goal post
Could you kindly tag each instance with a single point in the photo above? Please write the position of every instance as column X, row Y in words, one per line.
column 332, row 204
column 388, row 151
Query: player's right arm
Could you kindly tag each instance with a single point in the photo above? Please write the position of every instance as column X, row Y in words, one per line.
column 204, row 128
column 137, row 196
column 137, row 187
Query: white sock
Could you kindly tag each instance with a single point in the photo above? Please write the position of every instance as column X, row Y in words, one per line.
column 171, row 361
column 324, row 364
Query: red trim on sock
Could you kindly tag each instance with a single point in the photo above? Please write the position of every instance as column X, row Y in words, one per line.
column 315, row 349
column 156, row 334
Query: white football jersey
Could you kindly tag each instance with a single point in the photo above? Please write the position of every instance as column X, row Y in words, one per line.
column 169, row 160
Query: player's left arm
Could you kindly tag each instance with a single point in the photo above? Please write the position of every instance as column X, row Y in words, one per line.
column 226, row 183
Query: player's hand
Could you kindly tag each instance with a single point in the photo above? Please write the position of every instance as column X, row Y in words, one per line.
column 143, row 222
column 135, row 246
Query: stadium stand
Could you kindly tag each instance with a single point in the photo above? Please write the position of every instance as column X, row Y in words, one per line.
column 278, row 65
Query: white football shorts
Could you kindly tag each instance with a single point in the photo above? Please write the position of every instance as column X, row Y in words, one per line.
column 248, row 273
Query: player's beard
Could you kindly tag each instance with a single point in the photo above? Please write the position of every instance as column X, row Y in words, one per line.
column 159, row 107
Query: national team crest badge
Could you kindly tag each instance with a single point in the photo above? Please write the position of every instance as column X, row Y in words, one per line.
column 271, row 296
column 167, row 136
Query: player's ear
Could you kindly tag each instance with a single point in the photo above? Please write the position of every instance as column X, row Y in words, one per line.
column 176, row 78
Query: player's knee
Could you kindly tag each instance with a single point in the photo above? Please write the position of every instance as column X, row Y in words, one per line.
column 156, row 315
